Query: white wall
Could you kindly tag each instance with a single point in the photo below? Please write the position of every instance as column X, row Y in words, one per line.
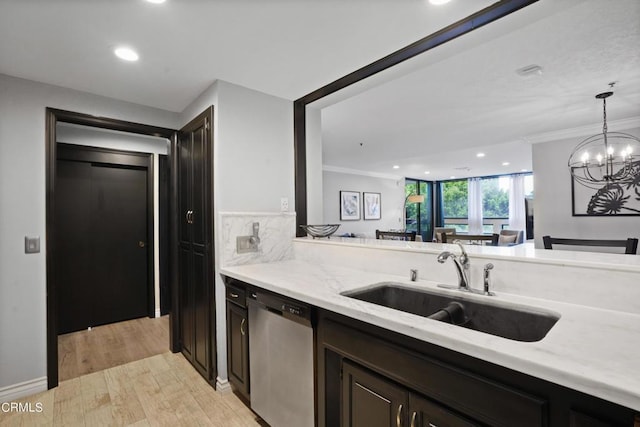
column 392, row 199
column 253, row 166
column 315, row 196
column 104, row 138
column 552, row 204
column 22, row 212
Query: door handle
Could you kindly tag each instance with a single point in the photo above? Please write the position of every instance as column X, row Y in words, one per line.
column 242, row 325
column 189, row 217
column 413, row 419
column 141, row 244
column 398, row 416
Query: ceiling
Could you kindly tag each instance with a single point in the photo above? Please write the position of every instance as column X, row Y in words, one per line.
column 434, row 112
column 465, row 97
column 285, row 48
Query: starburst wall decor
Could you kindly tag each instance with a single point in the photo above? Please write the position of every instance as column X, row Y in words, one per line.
column 612, row 198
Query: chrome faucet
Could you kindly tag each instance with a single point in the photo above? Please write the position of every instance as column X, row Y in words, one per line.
column 462, row 266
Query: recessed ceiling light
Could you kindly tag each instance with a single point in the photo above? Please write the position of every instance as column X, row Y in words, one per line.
column 524, row 170
column 452, row 177
column 126, row 53
column 480, row 155
column 439, row 2
column 156, row 1
column 427, row 172
column 396, row 167
column 505, row 163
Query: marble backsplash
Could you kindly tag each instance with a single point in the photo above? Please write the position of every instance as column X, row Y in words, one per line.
column 277, row 231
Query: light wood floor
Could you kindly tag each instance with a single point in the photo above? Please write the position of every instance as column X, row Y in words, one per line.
column 161, row 390
column 106, row 346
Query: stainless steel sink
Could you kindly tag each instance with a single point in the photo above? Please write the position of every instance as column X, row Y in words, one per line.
column 519, row 323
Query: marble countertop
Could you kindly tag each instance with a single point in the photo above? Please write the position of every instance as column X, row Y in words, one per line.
column 591, row 350
column 523, row 252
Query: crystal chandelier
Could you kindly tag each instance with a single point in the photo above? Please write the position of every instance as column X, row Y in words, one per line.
column 605, row 158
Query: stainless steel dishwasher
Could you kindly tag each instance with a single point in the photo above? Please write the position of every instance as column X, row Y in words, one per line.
column 281, row 360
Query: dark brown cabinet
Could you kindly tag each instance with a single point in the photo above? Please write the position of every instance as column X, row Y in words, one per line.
column 370, row 400
column 238, row 340
column 195, row 234
column 369, row 376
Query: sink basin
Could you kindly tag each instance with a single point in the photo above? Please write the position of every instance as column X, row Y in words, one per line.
column 517, row 323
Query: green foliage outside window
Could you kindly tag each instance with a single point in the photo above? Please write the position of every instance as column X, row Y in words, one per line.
column 455, row 199
column 495, row 201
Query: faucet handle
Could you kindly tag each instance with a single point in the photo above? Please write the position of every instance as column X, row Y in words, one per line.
column 487, row 279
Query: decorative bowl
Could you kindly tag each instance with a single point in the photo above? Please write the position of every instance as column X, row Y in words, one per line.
column 322, row 230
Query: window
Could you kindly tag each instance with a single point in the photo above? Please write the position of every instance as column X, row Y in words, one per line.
column 495, row 202
column 455, row 199
column 495, row 198
column 419, row 216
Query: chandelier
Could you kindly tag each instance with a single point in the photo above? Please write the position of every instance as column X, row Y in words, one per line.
column 605, row 158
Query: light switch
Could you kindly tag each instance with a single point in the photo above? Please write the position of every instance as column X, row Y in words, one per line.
column 31, row 245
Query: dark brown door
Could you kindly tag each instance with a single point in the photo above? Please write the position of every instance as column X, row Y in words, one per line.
column 238, row 347
column 101, row 253
column 371, row 401
column 195, row 187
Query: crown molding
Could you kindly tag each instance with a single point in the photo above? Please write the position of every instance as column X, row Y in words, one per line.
column 557, row 135
column 337, row 169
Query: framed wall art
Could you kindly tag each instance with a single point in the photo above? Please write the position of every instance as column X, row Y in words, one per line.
column 611, row 199
column 371, row 206
column 349, row 206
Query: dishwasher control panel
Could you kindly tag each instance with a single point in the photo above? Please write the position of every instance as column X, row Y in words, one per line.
column 289, row 309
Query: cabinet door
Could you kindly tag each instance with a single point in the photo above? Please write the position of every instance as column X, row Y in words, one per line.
column 371, row 401
column 195, row 262
column 238, row 347
column 425, row 413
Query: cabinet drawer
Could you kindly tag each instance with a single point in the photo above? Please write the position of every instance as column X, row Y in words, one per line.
column 236, row 295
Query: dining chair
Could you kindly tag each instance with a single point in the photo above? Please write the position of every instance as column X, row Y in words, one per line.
column 630, row 245
column 490, row 239
column 439, row 231
column 396, row 235
column 510, row 237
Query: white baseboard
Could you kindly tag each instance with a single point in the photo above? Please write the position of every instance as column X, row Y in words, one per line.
column 223, row 386
column 27, row 388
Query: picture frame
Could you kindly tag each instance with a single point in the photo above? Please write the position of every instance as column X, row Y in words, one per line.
column 349, row 205
column 608, row 200
column 371, row 206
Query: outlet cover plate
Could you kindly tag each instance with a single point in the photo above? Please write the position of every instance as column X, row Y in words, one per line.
column 246, row 244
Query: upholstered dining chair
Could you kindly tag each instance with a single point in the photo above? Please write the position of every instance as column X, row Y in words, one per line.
column 439, row 231
column 510, row 237
column 630, row 245
column 472, row 239
column 396, row 235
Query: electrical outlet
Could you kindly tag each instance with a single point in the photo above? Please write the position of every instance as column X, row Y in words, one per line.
column 284, row 204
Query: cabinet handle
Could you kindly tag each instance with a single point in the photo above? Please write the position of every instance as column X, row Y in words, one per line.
column 242, row 325
column 413, row 419
column 398, row 416
column 186, row 217
column 432, row 425
column 191, row 217
column 232, row 295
